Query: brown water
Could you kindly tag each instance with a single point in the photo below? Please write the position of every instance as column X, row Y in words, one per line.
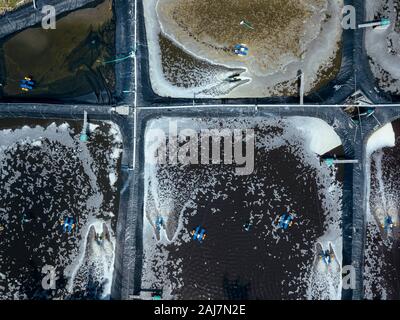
column 279, row 26
column 280, row 31
column 183, row 70
column 65, row 62
column 186, row 71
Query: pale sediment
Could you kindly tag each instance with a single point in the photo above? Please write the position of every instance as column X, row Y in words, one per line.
column 383, row 46
column 287, row 36
column 282, row 29
column 188, row 72
column 6, row 5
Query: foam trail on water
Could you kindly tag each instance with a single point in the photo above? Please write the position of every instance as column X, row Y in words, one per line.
column 378, row 163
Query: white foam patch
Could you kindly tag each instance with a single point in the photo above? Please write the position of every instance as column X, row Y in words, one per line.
column 321, row 137
column 113, row 178
column 96, row 258
column 93, row 127
column 381, row 138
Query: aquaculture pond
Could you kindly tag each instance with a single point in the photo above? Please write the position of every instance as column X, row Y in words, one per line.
column 70, row 63
column 58, row 208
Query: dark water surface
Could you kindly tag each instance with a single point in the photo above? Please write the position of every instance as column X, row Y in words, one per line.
column 264, row 262
column 382, row 273
column 47, row 182
column 66, row 63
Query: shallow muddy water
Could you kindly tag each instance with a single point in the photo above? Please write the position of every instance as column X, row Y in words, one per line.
column 282, row 37
column 65, row 63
